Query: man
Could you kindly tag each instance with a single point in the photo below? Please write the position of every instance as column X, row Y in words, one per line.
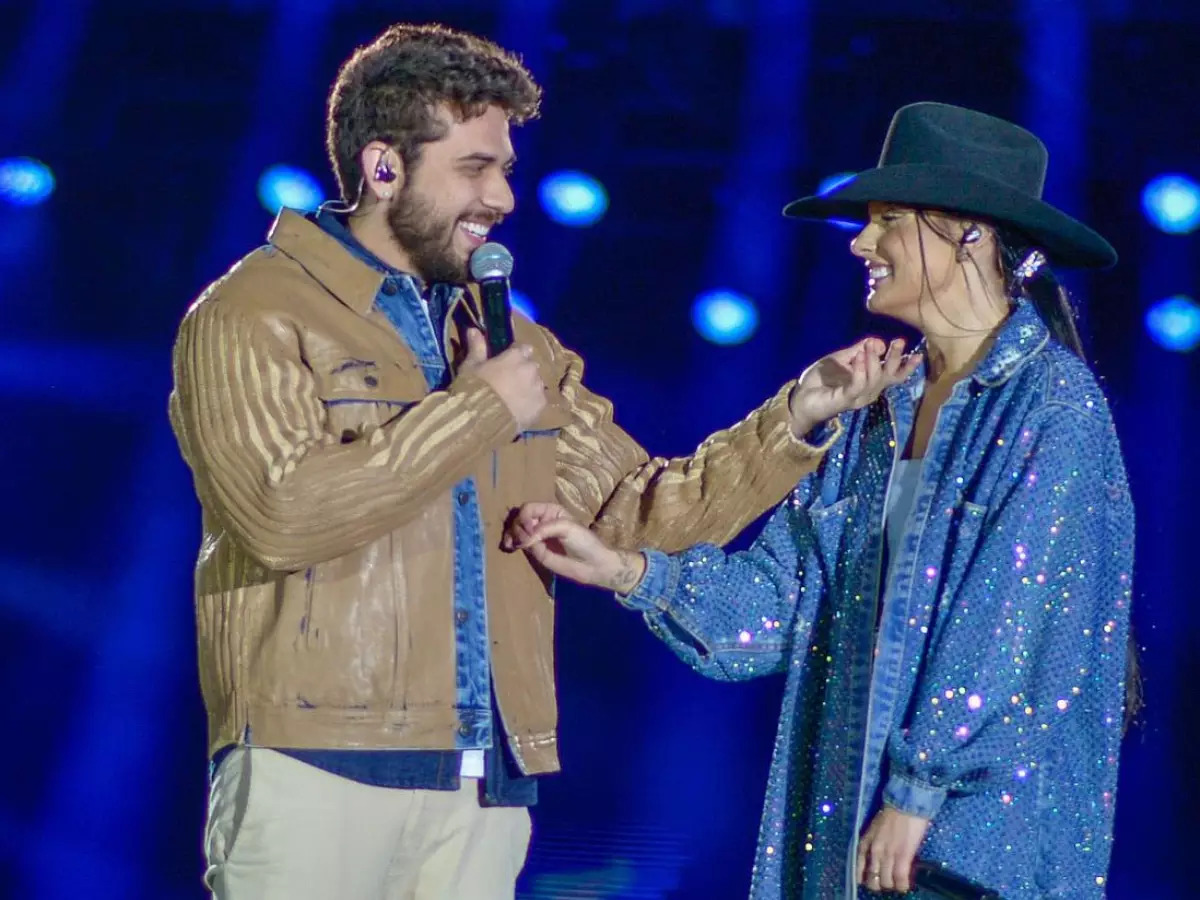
column 356, row 455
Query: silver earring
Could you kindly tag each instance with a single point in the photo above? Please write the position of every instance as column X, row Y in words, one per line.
column 970, row 236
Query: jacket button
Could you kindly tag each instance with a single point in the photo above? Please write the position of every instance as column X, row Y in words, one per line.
column 464, row 497
column 464, row 729
column 461, row 617
column 389, row 287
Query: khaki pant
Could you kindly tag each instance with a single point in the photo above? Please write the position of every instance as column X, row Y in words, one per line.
column 279, row 828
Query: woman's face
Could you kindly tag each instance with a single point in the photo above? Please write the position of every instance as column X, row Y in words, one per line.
column 908, row 262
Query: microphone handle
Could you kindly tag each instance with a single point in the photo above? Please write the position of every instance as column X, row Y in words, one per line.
column 497, row 314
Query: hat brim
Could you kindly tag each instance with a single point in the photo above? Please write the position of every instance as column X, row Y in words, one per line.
column 1065, row 240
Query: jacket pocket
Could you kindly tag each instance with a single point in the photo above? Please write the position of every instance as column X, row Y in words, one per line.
column 832, row 526
column 359, row 395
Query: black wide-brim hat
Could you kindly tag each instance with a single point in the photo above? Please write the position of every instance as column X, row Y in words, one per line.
column 962, row 161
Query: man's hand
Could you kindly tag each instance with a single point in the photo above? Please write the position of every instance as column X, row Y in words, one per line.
column 512, row 374
column 888, row 849
column 548, row 534
column 848, row 379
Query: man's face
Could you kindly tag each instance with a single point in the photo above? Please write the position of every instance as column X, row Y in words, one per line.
column 455, row 193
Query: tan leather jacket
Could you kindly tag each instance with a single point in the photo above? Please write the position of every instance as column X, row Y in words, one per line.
column 324, row 582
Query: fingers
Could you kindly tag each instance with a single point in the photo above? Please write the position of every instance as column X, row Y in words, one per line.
column 902, row 868
column 564, row 566
column 847, row 354
column 874, row 365
column 531, row 513
column 867, row 865
column 875, row 868
column 888, row 850
column 524, row 520
column 554, row 529
column 893, row 359
column 858, row 375
column 518, row 351
column 516, row 536
column 476, row 348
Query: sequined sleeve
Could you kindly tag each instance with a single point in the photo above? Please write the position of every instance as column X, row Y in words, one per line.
column 1033, row 645
column 732, row 616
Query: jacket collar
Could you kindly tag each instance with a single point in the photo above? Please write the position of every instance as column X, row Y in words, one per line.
column 1021, row 336
column 325, row 258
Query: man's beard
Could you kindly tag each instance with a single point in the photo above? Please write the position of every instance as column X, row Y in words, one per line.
column 427, row 241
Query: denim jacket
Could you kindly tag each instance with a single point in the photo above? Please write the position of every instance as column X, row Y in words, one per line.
column 986, row 690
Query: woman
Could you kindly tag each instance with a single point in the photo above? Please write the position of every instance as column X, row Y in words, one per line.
column 949, row 594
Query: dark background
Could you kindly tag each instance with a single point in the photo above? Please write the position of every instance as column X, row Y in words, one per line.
column 701, row 120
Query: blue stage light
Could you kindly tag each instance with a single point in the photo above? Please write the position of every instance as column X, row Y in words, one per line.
column 281, row 186
column 832, row 183
column 1174, row 323
column 573, row 198
column 1172, row 203
column 521, row 301
column 725, row 317
column 25, row 181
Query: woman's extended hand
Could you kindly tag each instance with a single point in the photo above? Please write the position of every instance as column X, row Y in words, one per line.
column 556, row 541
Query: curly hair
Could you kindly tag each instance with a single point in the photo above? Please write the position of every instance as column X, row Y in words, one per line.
column 389, row 90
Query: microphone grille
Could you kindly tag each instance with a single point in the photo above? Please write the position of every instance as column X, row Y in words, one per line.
column 492, row 260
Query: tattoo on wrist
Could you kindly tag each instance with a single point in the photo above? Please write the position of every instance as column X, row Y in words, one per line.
column 626, row 577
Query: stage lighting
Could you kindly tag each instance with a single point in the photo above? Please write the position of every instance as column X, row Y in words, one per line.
column 1174, row 323
column 25, row 181
column 281, row 186
column 521, row 301
column 725, row 317
column 573, row 198
column 1172, row 203
column 831, row 183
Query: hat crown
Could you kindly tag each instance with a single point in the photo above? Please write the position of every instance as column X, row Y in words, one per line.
column 936, row 134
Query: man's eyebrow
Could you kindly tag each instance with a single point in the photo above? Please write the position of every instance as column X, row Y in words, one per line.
column 488, row 158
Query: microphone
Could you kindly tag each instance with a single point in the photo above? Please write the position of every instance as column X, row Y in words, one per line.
column 491, row 265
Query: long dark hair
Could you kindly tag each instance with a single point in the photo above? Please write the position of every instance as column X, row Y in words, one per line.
column 1053, row 303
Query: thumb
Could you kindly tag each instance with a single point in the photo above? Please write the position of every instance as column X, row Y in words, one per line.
column 476, row 349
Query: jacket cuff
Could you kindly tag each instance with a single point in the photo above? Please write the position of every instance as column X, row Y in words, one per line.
column 657, row 585
column 917, row 798
column 817, row 439
column 493, row 418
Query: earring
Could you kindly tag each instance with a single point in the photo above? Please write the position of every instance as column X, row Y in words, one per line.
column 970, row 236
column 1030, row 265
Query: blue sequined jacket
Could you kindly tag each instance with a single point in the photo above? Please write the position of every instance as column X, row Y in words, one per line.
column 995, row 702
